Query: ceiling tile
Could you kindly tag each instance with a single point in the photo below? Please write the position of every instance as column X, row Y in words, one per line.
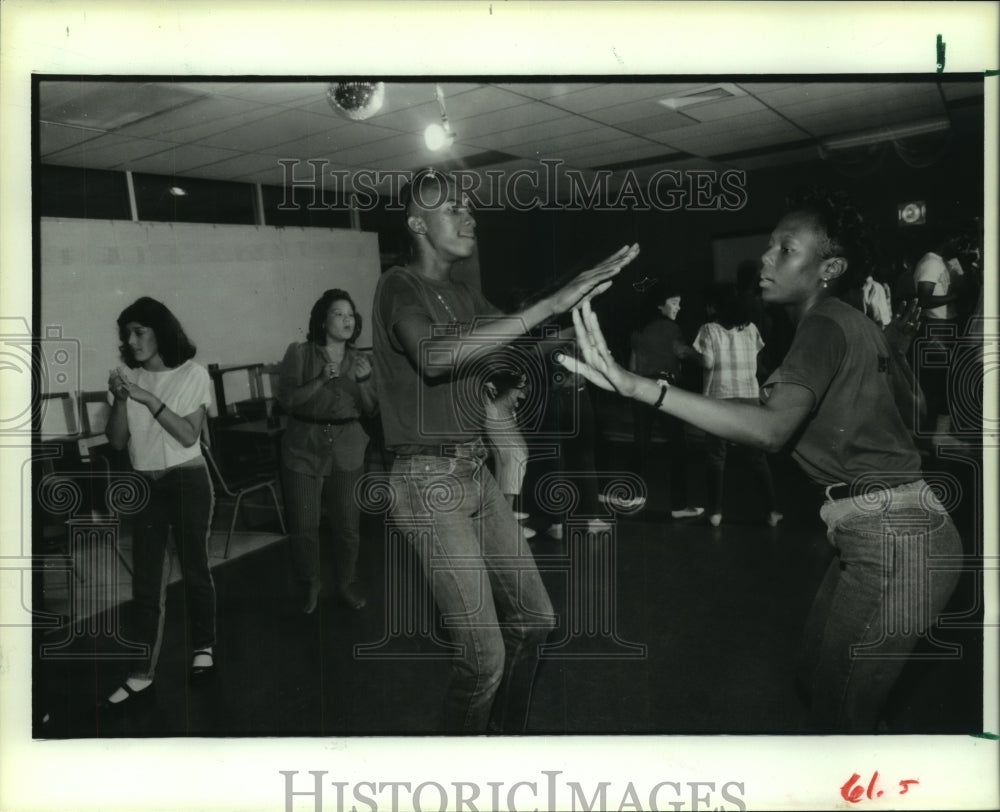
column 286, row 94
column 179, row 161
column 557, row 147
column 200, row 119
column 546, row 90
column 642, row 109
column 55, row 137
column 603, row 96
column 110, row 151
column 233, row 168
column 509, row 119
column 535, row 134
column 658, row 123
column 367, row 151
column 110, row 105
column 285, row 127
column 615, row 153
column 326, row 144
column 712, row 111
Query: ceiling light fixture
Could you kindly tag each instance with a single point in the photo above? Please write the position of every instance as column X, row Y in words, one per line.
column 439, row 136
column 887, row 134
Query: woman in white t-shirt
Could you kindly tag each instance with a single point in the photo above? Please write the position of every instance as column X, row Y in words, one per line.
column 159, row 404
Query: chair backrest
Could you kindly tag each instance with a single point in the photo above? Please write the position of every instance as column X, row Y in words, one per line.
column 95, row 410
column 234, row 384
column 60, row 416
column 213, row 469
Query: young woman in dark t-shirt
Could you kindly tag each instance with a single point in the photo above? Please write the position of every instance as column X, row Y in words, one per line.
column 843, row 402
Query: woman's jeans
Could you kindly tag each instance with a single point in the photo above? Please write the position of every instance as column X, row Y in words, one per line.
column 181, row 499
column 880, row 595
column 305, row 498
column 485, row 583
column 716, row 451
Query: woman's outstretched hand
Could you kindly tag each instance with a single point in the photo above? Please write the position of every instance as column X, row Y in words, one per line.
column 594, row 281
column 597, row 366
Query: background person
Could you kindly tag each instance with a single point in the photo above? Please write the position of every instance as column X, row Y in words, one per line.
column 727, row 348
column 658, row 350
column 325, row 386
column 502, row 393
column 158, row 411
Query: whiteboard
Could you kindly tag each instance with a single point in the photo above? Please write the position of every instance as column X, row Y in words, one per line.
column 242, row 293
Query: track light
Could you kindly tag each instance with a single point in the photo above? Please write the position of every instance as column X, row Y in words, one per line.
column 439, row 136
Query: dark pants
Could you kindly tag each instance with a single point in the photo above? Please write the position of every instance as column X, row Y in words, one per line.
column 932, row 365
column 491, row 598
column 306, row 497
column 716, row 451
column 569, row 415
column 645, row 417
column 181, row 499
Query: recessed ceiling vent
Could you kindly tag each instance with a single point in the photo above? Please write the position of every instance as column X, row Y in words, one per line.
column 702, row 95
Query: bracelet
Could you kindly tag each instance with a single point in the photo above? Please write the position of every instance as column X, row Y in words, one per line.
column 163, row 406
column 663, row 391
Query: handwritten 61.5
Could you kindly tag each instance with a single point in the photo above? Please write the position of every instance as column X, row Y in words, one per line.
column 854, row 792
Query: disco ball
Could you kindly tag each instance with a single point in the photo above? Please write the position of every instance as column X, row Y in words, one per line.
column 356, row 100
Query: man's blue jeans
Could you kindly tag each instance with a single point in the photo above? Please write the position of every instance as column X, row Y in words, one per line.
column 485, row 584
column 880, row 596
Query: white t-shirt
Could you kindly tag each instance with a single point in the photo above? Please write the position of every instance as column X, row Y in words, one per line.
column 932, row 268
column 183, row 389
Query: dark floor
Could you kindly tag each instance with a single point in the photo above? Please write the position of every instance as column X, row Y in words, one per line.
column 702, row 640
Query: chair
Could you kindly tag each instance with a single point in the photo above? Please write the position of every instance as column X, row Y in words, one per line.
column 235, row 493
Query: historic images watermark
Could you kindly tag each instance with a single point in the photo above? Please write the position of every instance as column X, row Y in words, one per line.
column 550, row 188
column 548, row 790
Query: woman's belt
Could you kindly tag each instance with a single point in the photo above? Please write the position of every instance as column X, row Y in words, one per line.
column 473, row 449
column 340, row 421
column 159, row 473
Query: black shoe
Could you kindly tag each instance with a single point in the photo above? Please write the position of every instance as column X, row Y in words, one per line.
column 351, row 597
column 134, row 700
column 200, row 673
column 310, row 597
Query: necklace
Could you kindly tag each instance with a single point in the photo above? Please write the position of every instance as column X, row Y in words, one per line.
column 451, row 313
column 438, row 296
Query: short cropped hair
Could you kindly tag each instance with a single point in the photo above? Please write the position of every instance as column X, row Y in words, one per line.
column 846, row 234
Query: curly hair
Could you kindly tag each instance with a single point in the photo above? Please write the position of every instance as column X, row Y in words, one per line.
column 317, row 316
column 845, row 233
column 171, row 341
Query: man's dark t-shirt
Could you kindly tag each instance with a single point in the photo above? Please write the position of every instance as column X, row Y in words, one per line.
column 417, row 412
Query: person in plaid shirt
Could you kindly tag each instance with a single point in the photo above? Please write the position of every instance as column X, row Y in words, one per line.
column 727, row 349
